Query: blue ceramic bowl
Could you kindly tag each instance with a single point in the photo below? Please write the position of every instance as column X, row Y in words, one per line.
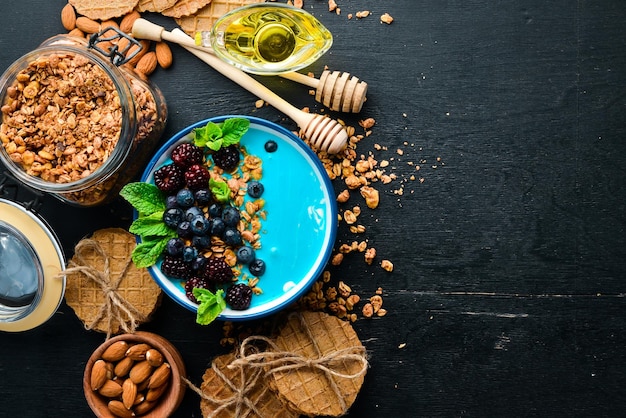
column 299, row 233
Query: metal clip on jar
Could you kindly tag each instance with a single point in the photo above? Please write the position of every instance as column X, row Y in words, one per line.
column 76, row 124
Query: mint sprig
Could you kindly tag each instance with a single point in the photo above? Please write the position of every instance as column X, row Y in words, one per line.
column 149, row 202
column 215, row 136
column 210, row 305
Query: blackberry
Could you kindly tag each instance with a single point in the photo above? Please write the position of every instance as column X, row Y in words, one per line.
column 169, row 178
column 186, row 154
column 217, row 271
column 191, row 284
column 175, row 267
column 238, row 296
column 227, row 158
column 197, row 177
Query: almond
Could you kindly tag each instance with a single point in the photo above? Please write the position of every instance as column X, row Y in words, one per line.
column 98, row 374
column 140, row 372
column 147, row 64
column 126, row 25
column 117, row 408
column 163, row 54
column 122, row 368
column 145, row 47
column 68, row 17
column 144, row 407
column 138, row 352
column 115, row 351
column 110, row 389
column 155, row 393
column 87, row 25
column 154, row 357
column 160, row 376
column 77, row 32
column 129, row 393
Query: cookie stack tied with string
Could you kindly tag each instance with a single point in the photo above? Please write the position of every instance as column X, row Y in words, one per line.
column 315, row 366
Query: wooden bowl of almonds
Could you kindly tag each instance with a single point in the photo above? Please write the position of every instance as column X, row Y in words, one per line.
column 134, row 375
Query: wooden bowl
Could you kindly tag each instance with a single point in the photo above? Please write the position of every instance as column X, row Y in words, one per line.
column 167, row 402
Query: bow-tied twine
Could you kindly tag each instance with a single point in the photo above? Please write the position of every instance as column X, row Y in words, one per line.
column 115, row 307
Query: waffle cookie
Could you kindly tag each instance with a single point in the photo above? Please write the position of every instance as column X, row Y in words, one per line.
column 185, row 8
column 154, row 5
column 115, row 300
column 310, row 390
column 227, row 392
column 205, row 18
column 99, row 10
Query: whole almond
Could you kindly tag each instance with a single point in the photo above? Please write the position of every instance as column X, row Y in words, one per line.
column 160, row 376
column 155, row 393
column 117, row 408
column 126, row 25
column 144, row 407
column 122, row 368
column 77, row 32
column 68, row 17
column 115, row 351
column 129, row 393
column 145, row 47
column 140, row 372
column 163, row 54
column 110, row 389
column 98, row 374
column 147, row 64
column 154, row 357
column 87, row 25
column 138, row 351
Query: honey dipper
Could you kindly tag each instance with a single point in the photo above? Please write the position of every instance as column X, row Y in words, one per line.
column 336, row 90
column 323, row 133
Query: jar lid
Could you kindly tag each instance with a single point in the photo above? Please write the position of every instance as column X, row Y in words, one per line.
column 31, row 260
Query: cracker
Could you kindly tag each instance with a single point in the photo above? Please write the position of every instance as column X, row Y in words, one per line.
column 154, row 5
column 87, row 298
column 205, row 18
column 308, row 390
column 221, row 384
column 103, row 10
column 185, row 8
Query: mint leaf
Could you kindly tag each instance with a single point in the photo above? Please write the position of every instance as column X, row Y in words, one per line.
column 206, row 135
column 148, row 251
column 220, row 190
column 233, row 129
column 144, row 197
column 211, row 305
column 150, row 225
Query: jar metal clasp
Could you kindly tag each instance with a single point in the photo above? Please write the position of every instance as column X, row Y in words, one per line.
column 110, row 37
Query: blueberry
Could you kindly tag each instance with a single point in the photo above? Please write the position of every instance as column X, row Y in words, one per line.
column 217, row 227
column 257, row 267
column 199, row 225
column 184, row 229
column 255, row 189
column 215, row 210
column 172, row 217
column 231, row 236
column 175, row 247
column 198, row 263
column 245, row 254
column 192, row 212
column 170, row 202
column 189, row 253
column 184, row 197
column 203, row 197
column 230, row 215
column 271, row 146
column 201, row 241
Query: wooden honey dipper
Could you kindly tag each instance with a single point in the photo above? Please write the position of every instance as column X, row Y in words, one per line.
column 323, row 133
column 336, row 90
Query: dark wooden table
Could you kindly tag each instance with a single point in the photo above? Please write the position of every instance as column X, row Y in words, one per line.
column 507, row 297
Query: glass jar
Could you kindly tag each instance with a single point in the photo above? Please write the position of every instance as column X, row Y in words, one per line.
column 31, row 263
column 74, row 124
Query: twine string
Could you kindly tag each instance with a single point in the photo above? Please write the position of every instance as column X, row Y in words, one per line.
column 115, row 307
